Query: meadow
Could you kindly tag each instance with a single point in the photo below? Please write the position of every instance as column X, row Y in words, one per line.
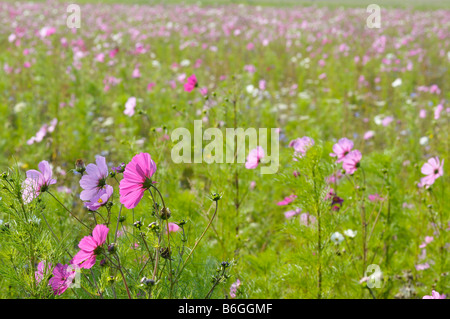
column 94, row 205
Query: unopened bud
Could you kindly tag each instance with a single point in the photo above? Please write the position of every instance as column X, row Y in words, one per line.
column 165, row 213
column 79, row 166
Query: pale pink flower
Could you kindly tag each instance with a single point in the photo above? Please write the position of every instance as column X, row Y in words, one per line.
column 291, row 213
column 234, row 287
column 301, row 145
column 100, row 199
column 254, row 158
column 130, row 106
column 428, row 239
column 95, row 178
column 341, row 149
column 433, row 169
column 351, row 162
column 307, row 219
column 173, row 227
column 42, row 271
column 368, row 135
column 37, row 182
column 434, row 295
column 437, row 111
column 136, row 73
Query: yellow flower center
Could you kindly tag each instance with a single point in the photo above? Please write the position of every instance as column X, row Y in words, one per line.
column 100, row 201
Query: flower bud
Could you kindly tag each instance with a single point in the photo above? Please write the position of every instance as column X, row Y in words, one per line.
column 165, row 213
column 112, row 248
column 153, row 225
column 147, row 282
column 79, row 166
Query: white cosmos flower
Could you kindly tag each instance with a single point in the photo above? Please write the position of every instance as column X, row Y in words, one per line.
column 423, row 140
column 350, row 233
column 185, row 62
column 337, row 238
column 397, row 82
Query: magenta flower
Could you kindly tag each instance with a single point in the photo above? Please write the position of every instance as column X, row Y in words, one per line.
column 254, row 158
column 341, row 149
column 63, row 276
column 301, row 145
column 42, row 271
column 287, row 200
column 37, row 182
column 434, row 295
column 433, row 169
column 351, row 162
column 191, row 83
column 375, row 198
column 91, row 247
column 136, row 179
column 95, row 179
column 100, row 199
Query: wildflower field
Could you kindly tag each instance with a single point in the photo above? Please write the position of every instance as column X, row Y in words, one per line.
column 224, row 150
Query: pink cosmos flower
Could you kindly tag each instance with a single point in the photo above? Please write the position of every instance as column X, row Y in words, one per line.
column 191, row 83
column 307, row 219
column 100, row 199
column 301, row 145
column 234, row 287
column 341, row 149
column 91, row 247
column 351, row 162
column 129, row 106
column 63, row 276
column 428, row 239
column 46, row 31
column 95, row 179
column 423, row 113
column 375, row 197
column 437, row 111
column 42, row 271
column 203, row 91
column 291, row 213
column 287, row 200
column 136, row 179
column 173, row 227
column 434, row 295
column 422, row 266
column 368, row 135
column 136, row 73
column 254, row 158
column 433, row 169
column 262, row 85
column 387, row 120
column 37, row 182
